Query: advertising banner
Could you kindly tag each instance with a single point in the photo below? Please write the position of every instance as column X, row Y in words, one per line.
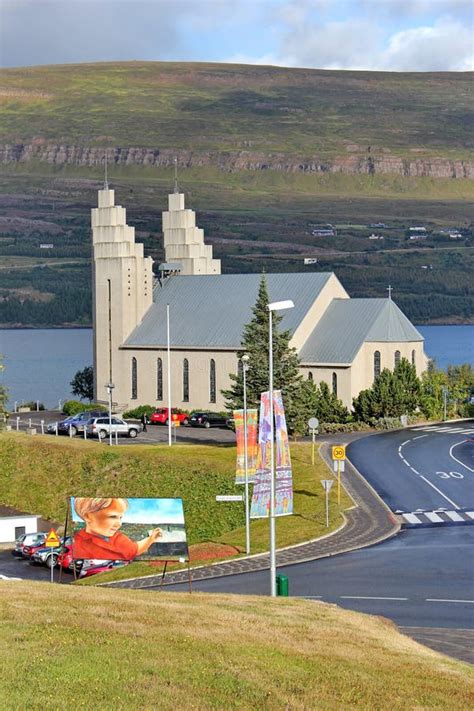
column 251, row 445
column 117, row 529
column 260, row 507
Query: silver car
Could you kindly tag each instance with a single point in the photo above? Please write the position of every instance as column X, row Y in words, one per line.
column 101, row 426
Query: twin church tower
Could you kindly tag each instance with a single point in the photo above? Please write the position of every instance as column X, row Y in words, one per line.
column 123, row 277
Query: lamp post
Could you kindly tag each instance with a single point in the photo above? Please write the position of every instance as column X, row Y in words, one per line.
column 245, row 366
column 275, row 306
column 110, row 387
column 168, row 368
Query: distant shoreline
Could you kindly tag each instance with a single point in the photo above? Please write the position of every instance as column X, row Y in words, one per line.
column 7, row 327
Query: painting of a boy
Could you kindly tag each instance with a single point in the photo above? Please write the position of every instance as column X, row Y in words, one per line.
column 101, row 537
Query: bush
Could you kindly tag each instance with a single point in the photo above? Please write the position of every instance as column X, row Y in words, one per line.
column 137, row 412
column 334, row 427
column 73, row 407
column 32, row 405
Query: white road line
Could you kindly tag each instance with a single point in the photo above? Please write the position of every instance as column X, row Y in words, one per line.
column 419, row 437
column 411, row 518
column 404, row 443
column 309, row 597
column 433, row 517
column 367, row 597
column 414, row 470
column 454, row 516
column 455, row 458
column 470, row 514
column 439, row 492
column 434, row 599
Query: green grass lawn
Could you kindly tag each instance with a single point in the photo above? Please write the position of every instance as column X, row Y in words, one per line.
column 64, row 647
column 39, row 473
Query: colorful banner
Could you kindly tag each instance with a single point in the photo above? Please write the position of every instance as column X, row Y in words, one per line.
column 251, row 445
column 111, row 529
column 260, row 507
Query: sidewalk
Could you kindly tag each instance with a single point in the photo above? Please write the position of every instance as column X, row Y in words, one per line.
column 367, row 523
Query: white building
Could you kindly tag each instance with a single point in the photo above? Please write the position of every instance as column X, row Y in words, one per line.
column 342, row 341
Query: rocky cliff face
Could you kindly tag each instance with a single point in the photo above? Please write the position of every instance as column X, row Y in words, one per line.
column 236, row 161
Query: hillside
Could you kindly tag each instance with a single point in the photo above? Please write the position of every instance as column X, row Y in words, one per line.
column 180, row 651
column 265, row 155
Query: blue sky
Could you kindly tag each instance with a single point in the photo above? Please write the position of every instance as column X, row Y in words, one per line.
column 388, row 35
column 149, row 511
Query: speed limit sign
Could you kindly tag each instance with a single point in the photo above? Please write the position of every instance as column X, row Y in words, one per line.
column 338, row 452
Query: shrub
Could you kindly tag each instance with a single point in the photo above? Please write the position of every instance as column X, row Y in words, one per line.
column 334, row 427
column 73, row 407
column 32, row 405
column 137, row 412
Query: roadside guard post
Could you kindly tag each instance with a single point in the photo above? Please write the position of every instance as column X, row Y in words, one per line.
column 313, row 424
column 339, row 458
column 52, row 541
column 282, row 585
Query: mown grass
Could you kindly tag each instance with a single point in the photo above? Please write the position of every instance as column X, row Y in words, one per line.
column 66, row 647
column 38, row 474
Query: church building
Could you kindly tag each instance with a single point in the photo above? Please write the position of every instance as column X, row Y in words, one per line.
column 342, row 341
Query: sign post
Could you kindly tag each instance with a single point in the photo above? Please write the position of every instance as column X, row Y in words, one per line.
column 327, row 484
column 339, row 457
column 313, row 424
column 52, row 541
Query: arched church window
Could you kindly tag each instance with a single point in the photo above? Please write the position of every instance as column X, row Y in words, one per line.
column 376, row 364
column 134, row 378
column 397, row 358
column 413, row 357
column 159, row 379
column 212, row 380
column 185, row 380
column 334, row 384
column 310, row 376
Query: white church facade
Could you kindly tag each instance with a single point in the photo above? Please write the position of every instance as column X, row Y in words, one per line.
column 342, row 341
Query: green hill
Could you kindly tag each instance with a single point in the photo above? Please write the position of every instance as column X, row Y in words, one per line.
column 65, row 647
column 265, row 155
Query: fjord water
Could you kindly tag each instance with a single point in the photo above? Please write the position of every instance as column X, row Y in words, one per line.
column 40, row 363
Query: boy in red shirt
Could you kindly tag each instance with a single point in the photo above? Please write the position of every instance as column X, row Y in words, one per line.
column 101, row 538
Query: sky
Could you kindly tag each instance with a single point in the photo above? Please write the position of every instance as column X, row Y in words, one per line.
column 386, row 35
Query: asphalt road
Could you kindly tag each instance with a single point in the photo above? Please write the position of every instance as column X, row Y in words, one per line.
column 420, row 469
column 13, row 567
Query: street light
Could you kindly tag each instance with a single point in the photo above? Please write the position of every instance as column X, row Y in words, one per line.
column 110, row 387
column 245, row 366
column 168, row 368
column 275, row 306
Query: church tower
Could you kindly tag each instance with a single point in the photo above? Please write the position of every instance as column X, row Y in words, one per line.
column 184, row 242
column 122, row 290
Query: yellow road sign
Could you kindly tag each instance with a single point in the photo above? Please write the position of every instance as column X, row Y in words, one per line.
column 338, row 452
column 52, row 539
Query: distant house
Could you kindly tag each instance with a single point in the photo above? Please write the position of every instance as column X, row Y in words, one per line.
column 417, row 229
column 417, row 237
column 14, row 523
column 46, row 246
column 374, row 236
column 328, row 232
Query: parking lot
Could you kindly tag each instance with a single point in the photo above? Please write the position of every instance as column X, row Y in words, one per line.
column 155, row 434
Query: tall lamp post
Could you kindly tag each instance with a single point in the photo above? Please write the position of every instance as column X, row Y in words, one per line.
column 110, row 387
column 275, row 306
column 245, row 366
column 168, row 369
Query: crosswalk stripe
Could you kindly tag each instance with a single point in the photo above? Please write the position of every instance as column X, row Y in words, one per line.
column 467, row 431
column 411, row 518
column 454, row 516
column 470, row 514
column 433, row 517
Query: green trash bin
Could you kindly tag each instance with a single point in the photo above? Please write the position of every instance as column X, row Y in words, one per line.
column 282, row 585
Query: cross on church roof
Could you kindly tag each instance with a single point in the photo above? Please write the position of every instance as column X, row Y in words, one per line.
column 176, row 187
column 389, row 289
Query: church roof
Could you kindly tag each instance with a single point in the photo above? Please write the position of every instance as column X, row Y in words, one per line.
column 348, row 323
column 210, row 311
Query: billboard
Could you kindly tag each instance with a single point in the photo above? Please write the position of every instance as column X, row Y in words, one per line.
column 128, row 529
column 252, row 416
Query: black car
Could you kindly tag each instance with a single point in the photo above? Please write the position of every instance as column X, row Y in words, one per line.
column 74, row 424
column 207, row 419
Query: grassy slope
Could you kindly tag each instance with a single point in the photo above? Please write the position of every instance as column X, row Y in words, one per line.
column 37, row 474
column 229, row 107
column 179, row 651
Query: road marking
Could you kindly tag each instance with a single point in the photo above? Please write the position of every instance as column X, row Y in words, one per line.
column 454, row 516
column 411, row 518
column 455, row 458
column 435, row 599
column 439, row 492
column 433, row 517
column 470, row 514
column 369, row 597
column 404, row 443
column 419, row 437
column 309, row 597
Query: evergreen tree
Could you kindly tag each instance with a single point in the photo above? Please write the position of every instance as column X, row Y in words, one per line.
column 408, row 387
column 328, row 407
column 82, row 384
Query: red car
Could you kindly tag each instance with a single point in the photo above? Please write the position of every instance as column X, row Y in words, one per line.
column 160, row 416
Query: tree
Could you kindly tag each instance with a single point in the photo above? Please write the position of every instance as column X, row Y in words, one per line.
column 409, row 385
column 82, row 384
column 391, row 395
column 328, row 406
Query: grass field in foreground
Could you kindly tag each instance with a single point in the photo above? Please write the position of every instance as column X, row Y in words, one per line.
column 99, row 649
column 38, row 473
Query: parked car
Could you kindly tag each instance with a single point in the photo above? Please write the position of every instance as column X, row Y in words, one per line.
column 30, row 545
column 161, row 415
column 27, row 539
column 48, row 556
column 101, row 426
column 74, row 424
column 65, row 557
column 208, row 419
column 93, row 567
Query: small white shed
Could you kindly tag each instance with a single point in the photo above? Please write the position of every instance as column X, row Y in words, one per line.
column 13, row 523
